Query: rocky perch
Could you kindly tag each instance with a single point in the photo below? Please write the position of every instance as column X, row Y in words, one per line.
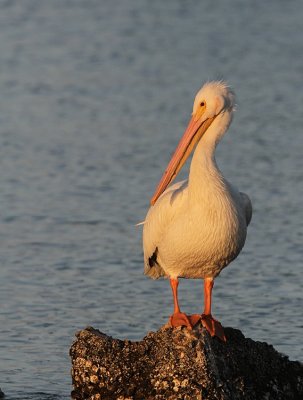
column 181, row 364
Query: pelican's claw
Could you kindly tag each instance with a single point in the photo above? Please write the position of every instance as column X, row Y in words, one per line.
column 180, row 319
column 194, row 319
column 213, row 326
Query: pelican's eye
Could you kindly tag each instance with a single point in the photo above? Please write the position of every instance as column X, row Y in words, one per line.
column 202, row 104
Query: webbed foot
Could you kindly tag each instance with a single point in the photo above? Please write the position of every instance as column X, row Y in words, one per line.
column 180, row 319
column 213, row 326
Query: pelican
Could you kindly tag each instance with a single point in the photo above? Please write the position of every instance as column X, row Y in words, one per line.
column 196, row 227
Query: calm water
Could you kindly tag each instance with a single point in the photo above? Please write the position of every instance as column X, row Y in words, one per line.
column 93, row 98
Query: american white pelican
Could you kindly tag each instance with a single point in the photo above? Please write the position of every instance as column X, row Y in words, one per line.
column 196, row 227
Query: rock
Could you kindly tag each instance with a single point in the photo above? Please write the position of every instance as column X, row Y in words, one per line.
column 178, row 363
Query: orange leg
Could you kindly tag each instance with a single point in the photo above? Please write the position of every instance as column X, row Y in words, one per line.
column 212, row 325
column 208, row 287
column 178, row 318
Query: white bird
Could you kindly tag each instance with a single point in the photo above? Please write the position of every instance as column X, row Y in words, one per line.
column 196, row 227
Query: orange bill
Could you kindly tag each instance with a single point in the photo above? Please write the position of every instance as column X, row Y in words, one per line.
column 193, row 133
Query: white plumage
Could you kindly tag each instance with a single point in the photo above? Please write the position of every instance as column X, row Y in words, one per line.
column 198, row 226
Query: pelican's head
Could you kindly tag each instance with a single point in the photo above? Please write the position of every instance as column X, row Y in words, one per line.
column 212, row 100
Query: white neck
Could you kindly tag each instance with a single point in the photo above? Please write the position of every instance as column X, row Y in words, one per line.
column 205, row 175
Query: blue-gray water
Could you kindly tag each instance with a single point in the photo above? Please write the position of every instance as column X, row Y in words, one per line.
column 94, row 96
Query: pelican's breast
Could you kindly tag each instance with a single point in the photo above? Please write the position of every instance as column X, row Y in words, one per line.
column 205, row 237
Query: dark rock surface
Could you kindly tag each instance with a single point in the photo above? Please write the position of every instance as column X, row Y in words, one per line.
column 181, row 364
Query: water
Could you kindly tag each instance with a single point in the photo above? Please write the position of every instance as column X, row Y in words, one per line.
column 94, row 96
